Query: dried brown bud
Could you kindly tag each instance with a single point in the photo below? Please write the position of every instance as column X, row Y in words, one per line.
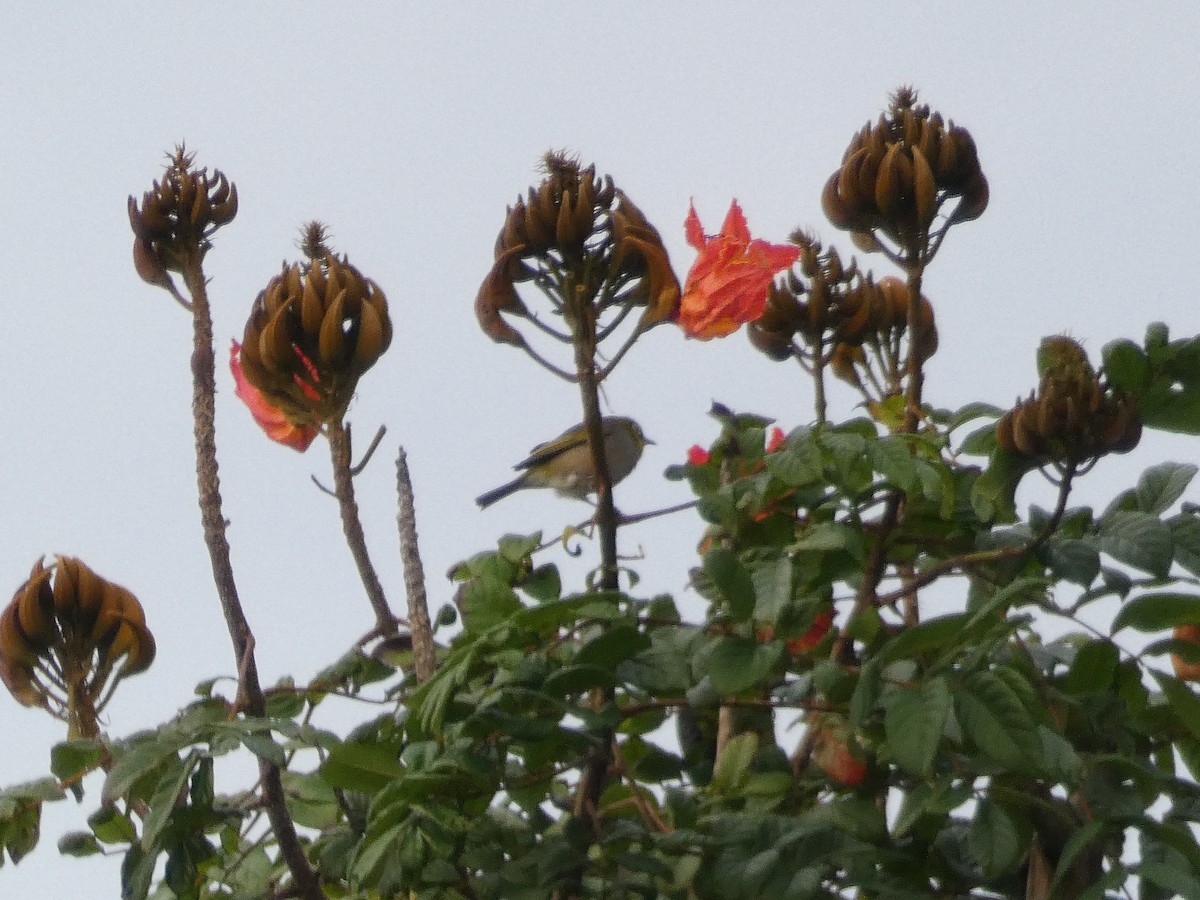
column 897, row 175
column 1073, row 418
column 576, row 222
column 177, row 217
column 67, row 620
column 313, row 331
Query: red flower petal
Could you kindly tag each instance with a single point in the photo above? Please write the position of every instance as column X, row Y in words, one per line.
column 734, row 226
column 775, row 439
column 728, row 282
column 697, row 455
column 692, row 229
column 815, row 634
column 269, row 418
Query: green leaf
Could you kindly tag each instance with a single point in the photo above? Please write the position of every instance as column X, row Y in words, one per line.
column 730, row 771
column 164, row 800
column 1060, row 758
column 362, row 767
column 71, row 759
column 262, row 745
column 1072, row 560
column 1080, row 839
column 311, row 800
column 111, row 826
column 993, row 492
column 571, row 680
column 796, row 464
column 928, row 800
column 866, row 692
column 731, row 579
column 78, row 844
column 914, row 721
column 995, row 839
column 736, row 664
column 133, row 763
column 137, row 869
column 992, row 715
column 1161, row 485
column 773, row 578
column 1137, row 539
column 893, row 459
column 1126, row 366
column 937, row 633
column 612, row 646
column 973, row 411
column 1158, row 612
column 1182, row 701
column 1185, row 534
column 980, row 442
column 543, row 583
column 487, row 601
column 1179, row 879
column 1093, row 669
column 825, row 537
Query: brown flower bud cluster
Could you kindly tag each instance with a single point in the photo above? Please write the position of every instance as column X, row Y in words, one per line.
column 878, row 312
column 582, row 240
column 177, row 216
column 1073, row 418
column 808, row 309
column 896, row 175
column 62, row 637
column 313, row 331
column 841, row 306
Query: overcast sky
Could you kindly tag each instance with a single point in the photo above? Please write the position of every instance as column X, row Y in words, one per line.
column 407, row 130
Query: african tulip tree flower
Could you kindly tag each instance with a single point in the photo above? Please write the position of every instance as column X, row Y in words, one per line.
column 270, row 418
column 727, row 285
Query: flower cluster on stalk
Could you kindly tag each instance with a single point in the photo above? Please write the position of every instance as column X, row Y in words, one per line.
column 67, row 638
column 313, row 331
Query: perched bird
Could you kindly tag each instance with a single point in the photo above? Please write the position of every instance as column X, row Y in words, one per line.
column 565, row 463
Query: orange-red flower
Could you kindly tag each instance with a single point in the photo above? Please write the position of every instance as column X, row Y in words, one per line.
column 270, row 419
column 697, row 455
column 727, row 285
column 775, row 439
column 833, row 756
column 815, row 634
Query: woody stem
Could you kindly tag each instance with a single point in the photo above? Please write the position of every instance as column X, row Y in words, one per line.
column 208, row 482
column 343, row 487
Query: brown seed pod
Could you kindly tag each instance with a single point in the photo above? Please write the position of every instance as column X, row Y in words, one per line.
column 314, row 330
column 897, row 174
column 61, row 637
column 177, row 217
column 574, row 220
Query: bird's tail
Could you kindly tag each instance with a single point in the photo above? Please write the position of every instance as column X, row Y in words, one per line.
column 486, row 500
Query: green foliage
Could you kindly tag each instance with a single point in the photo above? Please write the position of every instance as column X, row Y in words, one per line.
column 871, row 705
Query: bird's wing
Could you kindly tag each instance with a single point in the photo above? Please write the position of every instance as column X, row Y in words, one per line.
column 568, row 440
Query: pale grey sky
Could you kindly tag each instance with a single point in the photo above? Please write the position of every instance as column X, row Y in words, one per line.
column 407, row 129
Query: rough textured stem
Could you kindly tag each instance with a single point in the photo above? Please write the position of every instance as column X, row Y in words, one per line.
column 307, row 885
column 916, row 371
column 414, row 574
column 819, row 400
column 343, row 487
column 599, row 759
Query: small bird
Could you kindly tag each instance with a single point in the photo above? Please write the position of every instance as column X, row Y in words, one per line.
column 565, row 463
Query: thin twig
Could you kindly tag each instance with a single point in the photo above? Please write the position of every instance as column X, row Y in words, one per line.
column 414, row 574
column 357, row 470
column 343, row 484
column 638, row 795
column 979, row 557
